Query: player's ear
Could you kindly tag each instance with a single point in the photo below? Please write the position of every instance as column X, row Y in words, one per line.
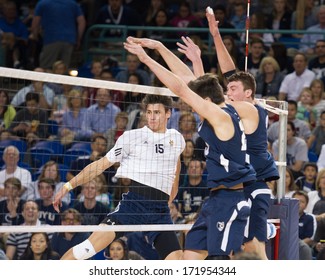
column 248, row 92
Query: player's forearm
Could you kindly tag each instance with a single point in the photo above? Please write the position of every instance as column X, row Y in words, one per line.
column 225, row 61
column 175, row 64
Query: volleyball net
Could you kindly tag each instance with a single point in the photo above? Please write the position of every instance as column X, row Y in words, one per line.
column 56, row 94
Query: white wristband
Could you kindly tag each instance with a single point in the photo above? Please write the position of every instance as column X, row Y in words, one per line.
column 68, row 186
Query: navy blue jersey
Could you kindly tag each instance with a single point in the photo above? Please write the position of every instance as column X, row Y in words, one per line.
column 259, row 157
column 226, row 160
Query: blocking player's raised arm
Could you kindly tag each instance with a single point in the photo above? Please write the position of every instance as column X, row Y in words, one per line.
column 204, row 108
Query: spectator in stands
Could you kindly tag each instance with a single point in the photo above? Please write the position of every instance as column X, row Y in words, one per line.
column 255, row 56
column 30, row 123
column 99, row 117
column 47, row 214
column 305, row 111
column 11, row 207
column 294, row 82
column 132, row 99
column 121, row 121
column 160, row 21
column 11, row 159
column 268, row 78
column 297, row 151
column 304, row 16
column 238, row 20
column 132, row 66
column 151, row 10
column 279, row 52
column 307, row 42
column 116, row 95
column 317, row 63
column 7, row 111
column 279, row 19
column 63, row 241
column 115, row 13
column 184, row 18
column 118, row 250
column 290, row 185
column 317, row 138
column 187, row 126
column 302, row 128
column 192, row 194
column 62, row 25
column 307, row 222
column 50, row 170
column 317, row 89
column 39, row 248
column 91, row 210
column 102, row 194
column 317, row 195
column 72, row 118
column 14, row 35
column 46, row 94
column 17, row 242
column 307, row 182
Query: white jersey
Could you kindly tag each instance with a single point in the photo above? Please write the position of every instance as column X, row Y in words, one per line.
column 148, row 157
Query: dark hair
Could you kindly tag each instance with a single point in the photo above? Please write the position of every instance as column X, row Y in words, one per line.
column 32, row 96
column 310, row 164
column 208, row 86
column 301, row 193
column 7, row 100
column 48, row 254
column 125, row 249
column 14, row 181
column 97, row 136
column 49, row 181
column 166, row 101
column 246, row 78
column 293, row 102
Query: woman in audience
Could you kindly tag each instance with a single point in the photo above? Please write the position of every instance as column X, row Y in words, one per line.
column 279, row 52
column 7, row 111
column 72, row 118
column 316, row 204
column 318, row 103
column 39, row 248
column 269, row 78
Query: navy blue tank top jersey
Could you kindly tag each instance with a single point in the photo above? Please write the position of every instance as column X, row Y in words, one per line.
column 226, row 160
column 259, row 157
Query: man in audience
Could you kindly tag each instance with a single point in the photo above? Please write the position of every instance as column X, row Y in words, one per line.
column 11, row 159
column 317, row 63
column 294, row 82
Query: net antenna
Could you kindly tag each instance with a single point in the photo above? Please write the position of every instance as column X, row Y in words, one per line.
column 247, row 33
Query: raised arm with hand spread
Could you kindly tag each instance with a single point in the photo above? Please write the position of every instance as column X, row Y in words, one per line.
column 225, row 61
column 177, row 66
column 193, row 53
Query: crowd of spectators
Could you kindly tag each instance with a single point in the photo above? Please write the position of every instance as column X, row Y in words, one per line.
column 33, row 40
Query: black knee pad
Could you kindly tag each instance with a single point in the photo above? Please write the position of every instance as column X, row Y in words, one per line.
column 165, row 243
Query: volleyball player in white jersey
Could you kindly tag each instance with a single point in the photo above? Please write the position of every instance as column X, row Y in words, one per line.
column 149, row 156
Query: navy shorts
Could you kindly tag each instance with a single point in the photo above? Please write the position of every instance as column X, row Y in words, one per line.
column 219, row 228
column 258, row 196
column 135, row 209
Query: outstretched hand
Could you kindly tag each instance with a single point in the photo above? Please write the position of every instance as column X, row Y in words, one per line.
column 189, row 48
column 57, row 202
column 133, row 47
column 145, row 42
